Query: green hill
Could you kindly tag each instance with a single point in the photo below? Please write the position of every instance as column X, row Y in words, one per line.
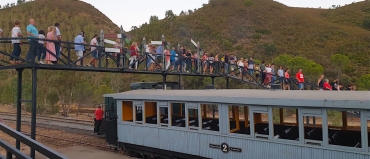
column 73, row 15
column 265, row 29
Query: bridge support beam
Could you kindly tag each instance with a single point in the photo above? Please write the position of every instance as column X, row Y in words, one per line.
column 164, row 81
column 33, row 115
column 227, row 83
column 180, row 82
column 19, row 105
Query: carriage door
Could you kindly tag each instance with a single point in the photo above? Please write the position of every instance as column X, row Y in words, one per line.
column 138, row 112
column 110, row 120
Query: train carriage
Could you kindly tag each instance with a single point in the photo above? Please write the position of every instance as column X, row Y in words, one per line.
column 241, row 124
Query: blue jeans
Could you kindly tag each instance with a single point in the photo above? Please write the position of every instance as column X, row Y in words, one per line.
column 57, row 50
column 148, row 62
column 32, row 52
column 41, row 51
column 177, row 62
column 281, row 79
column 273, row 78
column 226, row 67
column 94, row 54
column 16, row 51
column 188, row 64
column 300, row 85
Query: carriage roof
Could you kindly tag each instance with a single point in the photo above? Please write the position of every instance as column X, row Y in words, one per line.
column 334, row 99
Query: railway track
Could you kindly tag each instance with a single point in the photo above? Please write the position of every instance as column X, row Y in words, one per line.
column 66, row 120
column 100, row 147
column 78, row 127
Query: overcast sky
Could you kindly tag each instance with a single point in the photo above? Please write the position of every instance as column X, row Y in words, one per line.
column 139, row 11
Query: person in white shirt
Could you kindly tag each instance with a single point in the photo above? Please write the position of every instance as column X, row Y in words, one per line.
column 268, row 72
column 94, row 51
column 41, row 52
column 281, row 76
column 118, row 55
column 16, row 33
column 59, row 37
column 240, row 64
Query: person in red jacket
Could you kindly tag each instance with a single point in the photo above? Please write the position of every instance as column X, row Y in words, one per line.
column 98, row 119
column 300, row 79
column 326, row 85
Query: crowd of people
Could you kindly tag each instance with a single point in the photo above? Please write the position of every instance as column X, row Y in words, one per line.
column 185, row 60
column 158, row 57
column 47, row 46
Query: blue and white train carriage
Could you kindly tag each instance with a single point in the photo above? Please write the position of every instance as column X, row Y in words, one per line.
column 240, row 124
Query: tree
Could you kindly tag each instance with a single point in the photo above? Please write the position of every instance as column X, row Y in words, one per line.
column 190, row 12
column 52, row 99
column 98, row 93
column 182, row 13
column 366, row 23
column 153, row 19
column 310, row 68
column 363, row 83
column 248, row 3
column 270, row 48
column 169, row 14
column 339, row 61
column 20, row 2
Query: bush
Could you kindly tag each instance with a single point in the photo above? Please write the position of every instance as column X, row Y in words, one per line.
column 248, row 3
column 263, row 31
column 366, row 23
column 256, row 36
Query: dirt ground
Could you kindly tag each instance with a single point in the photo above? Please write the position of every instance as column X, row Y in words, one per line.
column 50, row 142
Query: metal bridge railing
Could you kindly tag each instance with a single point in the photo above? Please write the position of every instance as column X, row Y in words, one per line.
column 107, row 61
column 10, row 150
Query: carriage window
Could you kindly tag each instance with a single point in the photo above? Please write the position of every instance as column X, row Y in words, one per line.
column 193, row 119
column 335, row 119
column 139, row 114
column 127, row 111
column 344, row 128
column 163, row 116
column 178, row 114
column 312, row 129
column 261, row 125
column 151, row 112
column 285, row 124
column 239, row 119
column 210, row 117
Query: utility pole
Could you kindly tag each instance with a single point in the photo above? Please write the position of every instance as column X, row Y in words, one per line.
column 123, row 54
column 143, row 53
column 163, row 54
column 198, row 58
